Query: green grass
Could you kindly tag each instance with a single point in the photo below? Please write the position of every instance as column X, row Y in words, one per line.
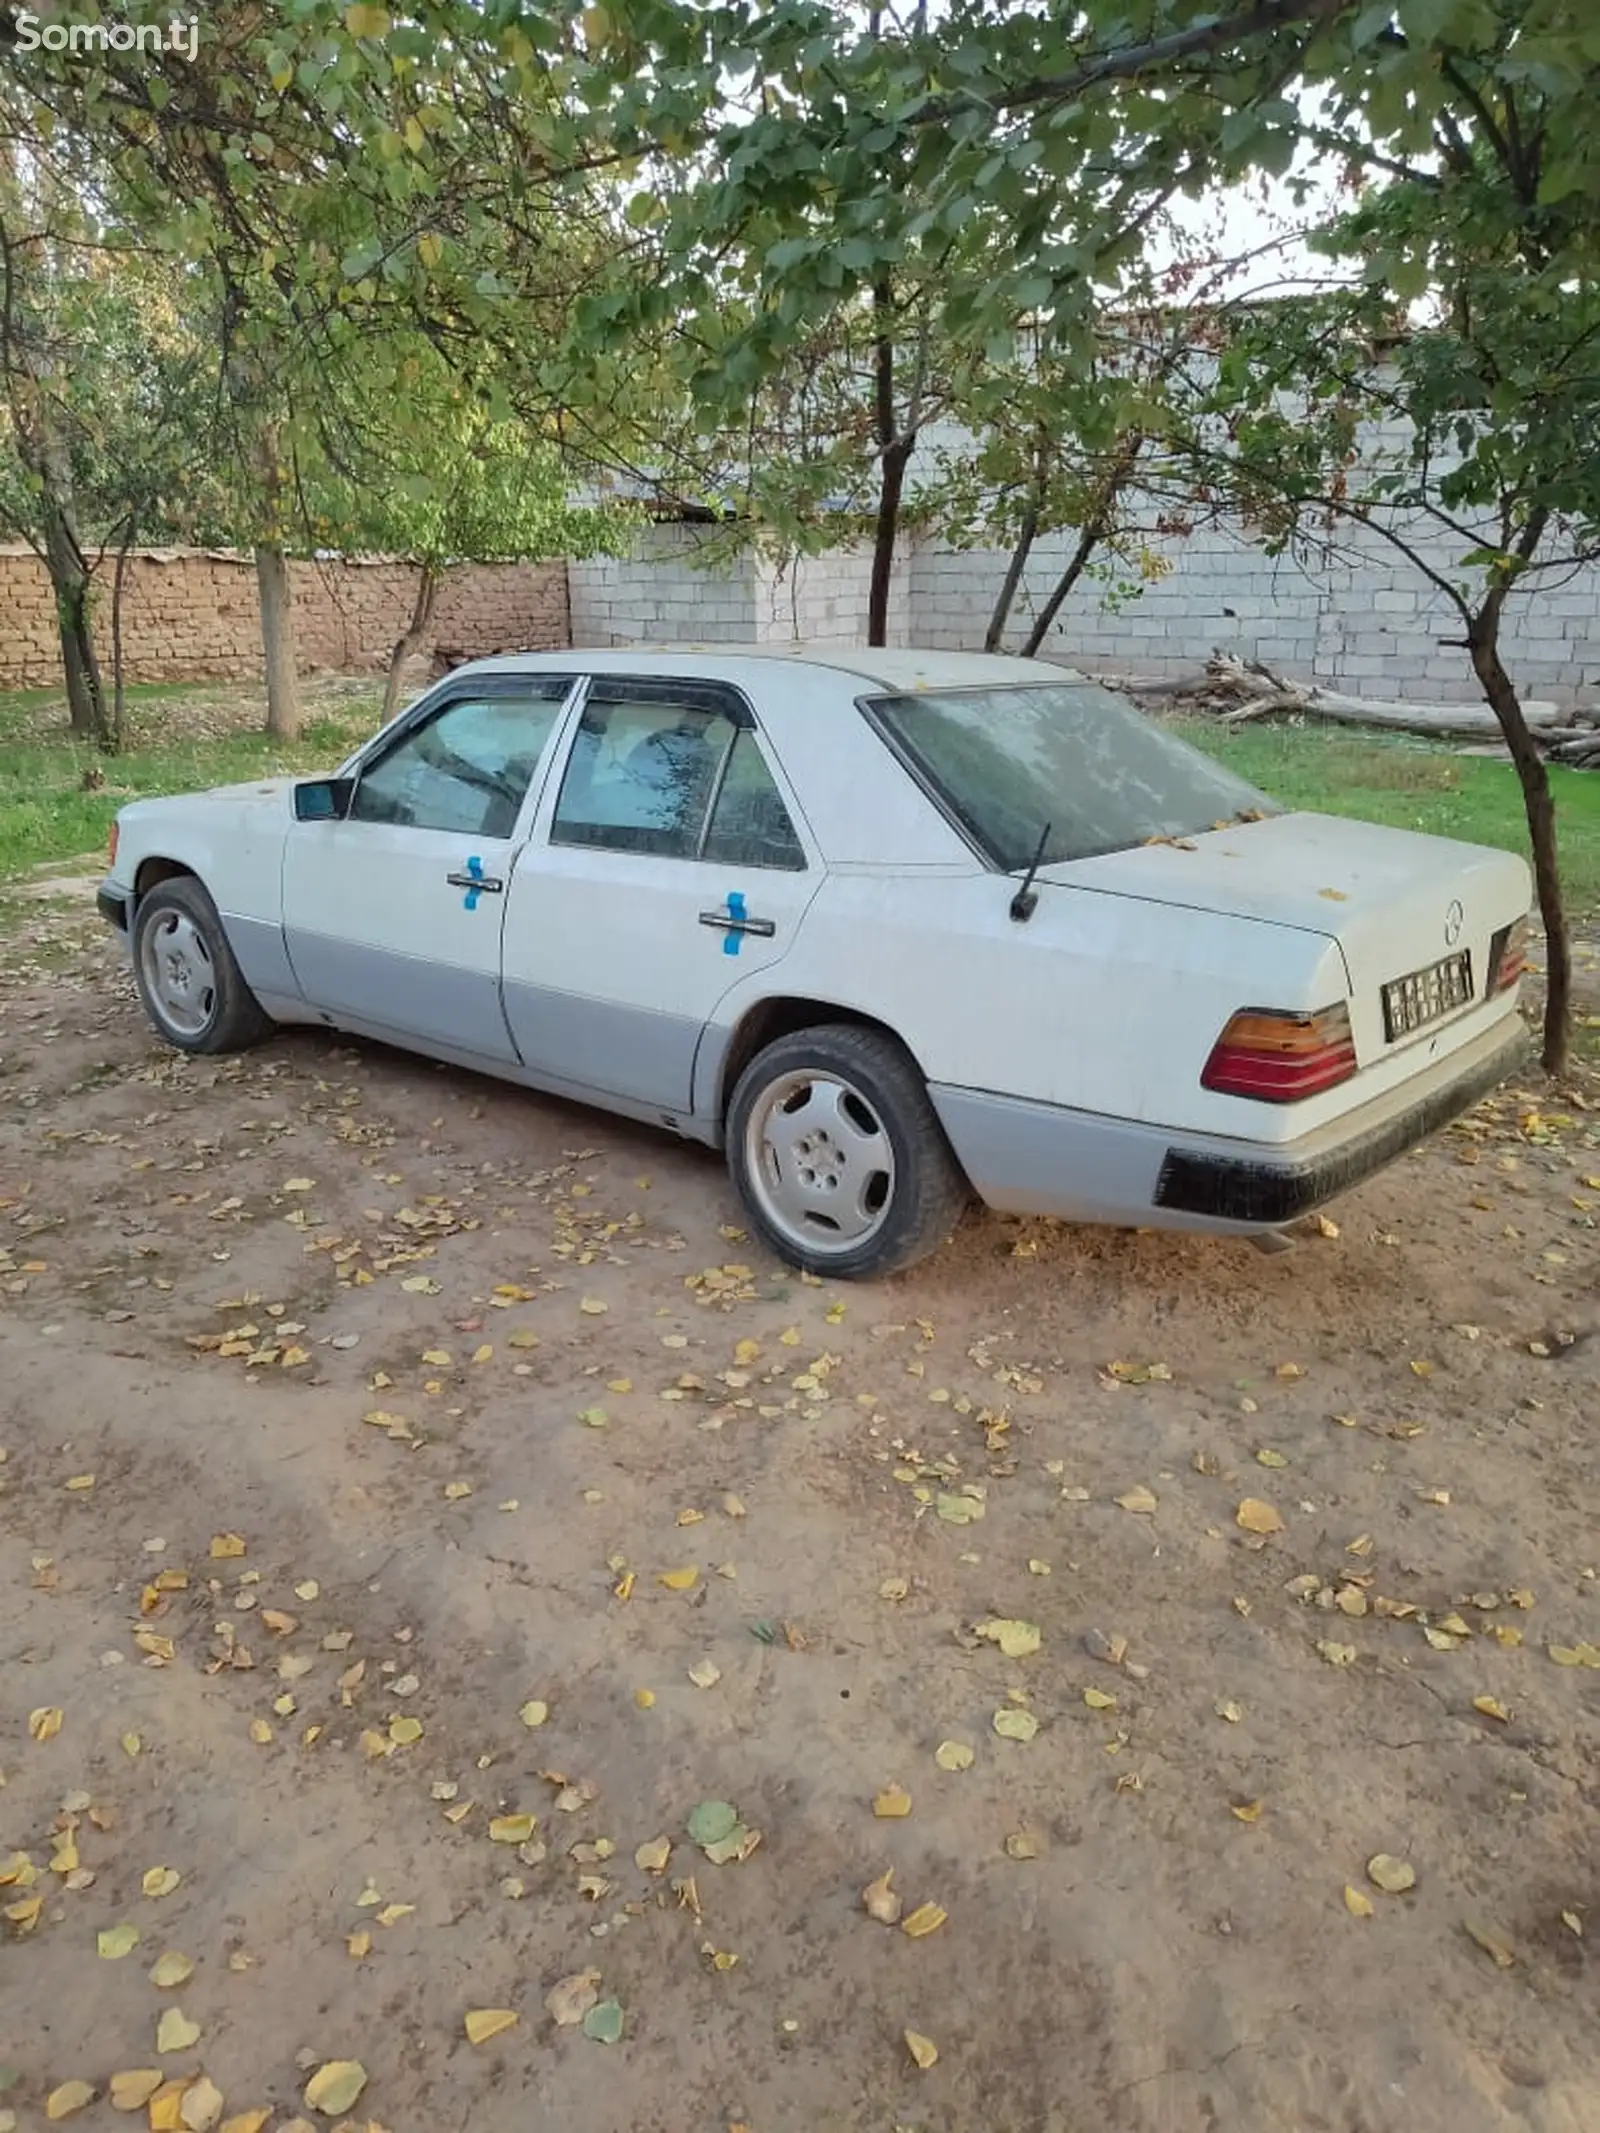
column 1412, row 785
column 186, row 738
column 182, row 740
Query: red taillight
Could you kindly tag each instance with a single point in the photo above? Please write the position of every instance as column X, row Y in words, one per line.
column 111, row 846
column 1508, row 956
column 1278, row 1057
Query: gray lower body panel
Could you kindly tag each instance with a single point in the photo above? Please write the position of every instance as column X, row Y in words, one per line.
column 1041, row 1159
column 259, row 950
column 402, row 997
column 602, row 1051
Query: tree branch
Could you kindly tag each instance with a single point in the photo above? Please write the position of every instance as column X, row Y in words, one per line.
column 1197, row 42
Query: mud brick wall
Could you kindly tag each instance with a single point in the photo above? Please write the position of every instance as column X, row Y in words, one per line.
column 191, row 615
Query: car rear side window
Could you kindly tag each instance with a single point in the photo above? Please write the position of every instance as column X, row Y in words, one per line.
column 750, row 826
column 1009, row 763
column 468, row 768
column 643, row 772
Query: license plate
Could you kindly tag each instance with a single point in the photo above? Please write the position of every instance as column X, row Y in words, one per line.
column 1411, row 1003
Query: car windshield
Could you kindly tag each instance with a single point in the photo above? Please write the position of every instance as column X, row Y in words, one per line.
column 1005, row 762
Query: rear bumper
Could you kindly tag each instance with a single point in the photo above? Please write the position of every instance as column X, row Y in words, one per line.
column 1269, row 1188
column 112, row 904
column 1028, row 1158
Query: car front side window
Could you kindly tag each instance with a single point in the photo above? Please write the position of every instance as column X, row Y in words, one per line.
column 468, row 768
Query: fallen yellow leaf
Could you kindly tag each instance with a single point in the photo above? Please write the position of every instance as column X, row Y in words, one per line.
column 1138, row 1499
column 1012, row 1724
column 1098, row 1700
column 533, row 1712
column 926, row 1918
column 165, row 2105
column 953, row 1755
column 512, row 1829
column 201, row 2106
column 1257, row 1517
column 679, row 1580
column 113, row 1942
column 570, row 1998
column 879, row 1900
column 170, row 1970
column 1392, row 1875
column 922, row 2049
column 334, row 2087
column 1492, row 1708
column 70, row 2097
column 892, row 1803
column 1016, row 1639
column 132, row 2090
column 1247, row 1810
column 482, row 2023
column 175, row 2032
column 45, row 1723
column 160, row 1880
column 1357, row 1902
column 1494, row 1945
column 252, row 2122
column 224, row 1545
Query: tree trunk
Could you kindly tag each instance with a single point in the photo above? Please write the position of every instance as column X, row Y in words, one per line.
column 276, row 594
column 1027, row 533
column 1093, row 533
column 114, row 733
column 69, row 580
column 1483, row 642
column 415, row 636
column 277, row 641
column 894, row 453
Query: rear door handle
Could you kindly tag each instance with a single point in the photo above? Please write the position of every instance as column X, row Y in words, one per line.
column 476, row 882
column 739, row 922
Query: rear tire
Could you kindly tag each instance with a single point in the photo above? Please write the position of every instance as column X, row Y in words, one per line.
column 838, row 1156
column 191, row 985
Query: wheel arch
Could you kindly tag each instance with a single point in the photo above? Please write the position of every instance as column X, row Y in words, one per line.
column 150, row 874
column 783, row 1015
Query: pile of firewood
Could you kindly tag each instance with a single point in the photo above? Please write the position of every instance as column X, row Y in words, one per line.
column 1234, row 690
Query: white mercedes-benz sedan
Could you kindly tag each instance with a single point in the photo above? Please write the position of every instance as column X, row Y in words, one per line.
column 890, row 927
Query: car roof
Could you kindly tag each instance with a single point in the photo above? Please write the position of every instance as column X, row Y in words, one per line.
column 894, row 667
column 863, row 805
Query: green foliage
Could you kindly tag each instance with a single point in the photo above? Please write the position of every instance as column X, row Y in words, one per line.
column 1410, row 784
column 406, row 459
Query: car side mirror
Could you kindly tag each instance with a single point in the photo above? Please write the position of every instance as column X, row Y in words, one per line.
column 323, row 799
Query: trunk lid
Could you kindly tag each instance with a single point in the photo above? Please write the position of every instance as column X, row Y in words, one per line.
column 1393, row 901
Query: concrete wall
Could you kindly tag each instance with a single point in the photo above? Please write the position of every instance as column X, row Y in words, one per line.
column 1364, row 621
column 192, row 616
column 667, row 593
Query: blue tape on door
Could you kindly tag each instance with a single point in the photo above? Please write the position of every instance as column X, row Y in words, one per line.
column 737, row 912
column 475, row 869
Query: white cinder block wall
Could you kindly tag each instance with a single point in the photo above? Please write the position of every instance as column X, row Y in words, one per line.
column 1366, row 622
column 1363, row 619
column 664, row 593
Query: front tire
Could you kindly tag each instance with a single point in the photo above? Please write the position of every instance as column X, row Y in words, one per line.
column 192, row 988
column 838, row 1156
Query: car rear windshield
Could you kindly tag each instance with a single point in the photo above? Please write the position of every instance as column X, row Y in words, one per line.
column 1006, row 762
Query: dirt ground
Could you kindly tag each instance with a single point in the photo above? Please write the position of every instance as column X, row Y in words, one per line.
column 284, row 1652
